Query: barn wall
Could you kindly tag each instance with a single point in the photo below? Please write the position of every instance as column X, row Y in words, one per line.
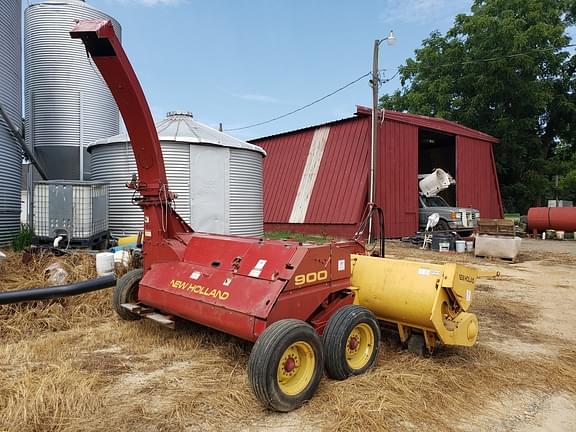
column 283, row 169
column 340, row 172
column 397, row 177
column 476, row 178
column 339, row 195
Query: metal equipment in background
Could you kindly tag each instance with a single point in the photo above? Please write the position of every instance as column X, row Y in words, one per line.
column 71, row 213
column 541, row 219
column 296, row 301
column 67, row 103
column 217, row 178
column 11, row 102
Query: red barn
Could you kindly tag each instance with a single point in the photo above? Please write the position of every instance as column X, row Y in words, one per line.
column 316, row 179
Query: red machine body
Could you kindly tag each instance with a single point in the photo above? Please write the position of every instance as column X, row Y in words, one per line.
column 241, row 285
column 233, row 284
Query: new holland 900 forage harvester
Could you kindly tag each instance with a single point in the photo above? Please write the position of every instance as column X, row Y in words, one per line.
column 306, row 307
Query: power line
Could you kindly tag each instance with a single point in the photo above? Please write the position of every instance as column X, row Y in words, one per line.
column 398, row 69
column 302, row 107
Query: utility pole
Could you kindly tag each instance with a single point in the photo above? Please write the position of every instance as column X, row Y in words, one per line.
column 390, row 39
column 374, row 137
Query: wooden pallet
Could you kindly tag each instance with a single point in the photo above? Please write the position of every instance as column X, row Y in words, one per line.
column 498, row 227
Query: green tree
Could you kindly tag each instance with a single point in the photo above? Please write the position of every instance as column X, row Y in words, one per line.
column 505, row 69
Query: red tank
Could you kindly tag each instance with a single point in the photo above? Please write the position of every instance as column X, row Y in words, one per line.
column 554, row 218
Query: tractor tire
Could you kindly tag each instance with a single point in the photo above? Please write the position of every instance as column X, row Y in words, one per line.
column 285, row 365
column 351, row 342
column 416, row 345
column 126, row 291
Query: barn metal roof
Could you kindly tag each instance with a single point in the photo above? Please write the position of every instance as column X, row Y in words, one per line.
column 434, row 123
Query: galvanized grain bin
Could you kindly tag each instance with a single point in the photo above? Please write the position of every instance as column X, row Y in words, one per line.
column 11, row 101
column 218, row 178
column 68, row 104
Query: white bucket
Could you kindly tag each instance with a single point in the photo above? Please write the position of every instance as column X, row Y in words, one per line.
column 105, row 263
column 460, row 246
column 444, row 247
column 470, row 246
column 559, row 235
column 122, row 257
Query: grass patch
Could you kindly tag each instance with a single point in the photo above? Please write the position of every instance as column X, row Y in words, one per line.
column 23, row 239
column 288, row 235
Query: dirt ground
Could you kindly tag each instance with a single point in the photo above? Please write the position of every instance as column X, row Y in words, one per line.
column 71, row 365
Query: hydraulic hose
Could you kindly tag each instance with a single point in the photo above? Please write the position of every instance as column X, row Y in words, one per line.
column 17, row 296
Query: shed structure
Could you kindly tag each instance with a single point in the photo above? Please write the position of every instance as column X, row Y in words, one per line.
column 316, row 178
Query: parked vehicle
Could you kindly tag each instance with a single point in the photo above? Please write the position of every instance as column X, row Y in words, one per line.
column 461, row 220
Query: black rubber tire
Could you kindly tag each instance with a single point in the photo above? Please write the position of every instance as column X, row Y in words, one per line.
column 335, row 339
column 126, row 291
column 266, row 356
column 416, row 345
column 442, row 225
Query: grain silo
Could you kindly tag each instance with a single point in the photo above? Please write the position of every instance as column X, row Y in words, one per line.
column 218, row 178
column 68, row 105
column 11, row 101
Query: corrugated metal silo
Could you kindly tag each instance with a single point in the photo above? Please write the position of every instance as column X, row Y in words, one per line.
column 67, row 101
column 218, row 178
column 11, row 100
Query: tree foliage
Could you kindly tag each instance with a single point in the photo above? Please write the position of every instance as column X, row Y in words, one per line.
column 507, row 70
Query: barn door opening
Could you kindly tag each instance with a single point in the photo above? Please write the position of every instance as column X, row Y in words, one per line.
column 438, row 150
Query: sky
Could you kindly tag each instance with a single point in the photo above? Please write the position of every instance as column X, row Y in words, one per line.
column 240, row 62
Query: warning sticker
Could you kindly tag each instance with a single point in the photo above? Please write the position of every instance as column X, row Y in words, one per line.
column 255, row 272
column 341, row 264
column 260, row 264
column 468, row 295
column 195, row 275
column 423, row 271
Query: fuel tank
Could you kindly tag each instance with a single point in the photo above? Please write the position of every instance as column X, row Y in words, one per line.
column 554, row 218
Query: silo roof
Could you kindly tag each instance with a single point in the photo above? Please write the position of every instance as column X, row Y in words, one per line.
column 182, row 127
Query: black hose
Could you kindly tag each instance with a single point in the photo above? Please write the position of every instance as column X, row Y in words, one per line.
column 8, row 297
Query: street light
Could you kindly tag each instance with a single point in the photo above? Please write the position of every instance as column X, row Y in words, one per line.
column 390, row 40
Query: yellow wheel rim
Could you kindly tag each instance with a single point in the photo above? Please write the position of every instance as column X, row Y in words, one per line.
column 296, row 368
column 360, row 346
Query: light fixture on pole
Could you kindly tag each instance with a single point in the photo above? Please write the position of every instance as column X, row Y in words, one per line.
column 390, row 40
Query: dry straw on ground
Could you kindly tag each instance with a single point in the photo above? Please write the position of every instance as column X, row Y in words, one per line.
column 28, row 319
column 71, row 365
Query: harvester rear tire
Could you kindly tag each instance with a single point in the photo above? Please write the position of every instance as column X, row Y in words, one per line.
column 351, row 342
column 126, row 291
column 285, row 365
